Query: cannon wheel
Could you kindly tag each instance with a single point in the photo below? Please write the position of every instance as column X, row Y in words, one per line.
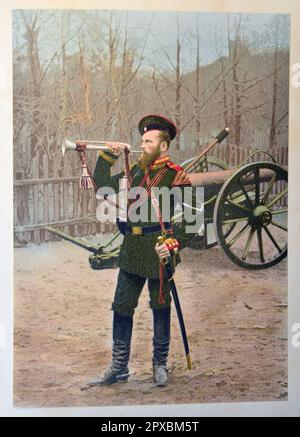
column 208, row 239
column 259, row 211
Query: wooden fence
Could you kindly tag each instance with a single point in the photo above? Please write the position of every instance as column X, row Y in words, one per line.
column 52, row 196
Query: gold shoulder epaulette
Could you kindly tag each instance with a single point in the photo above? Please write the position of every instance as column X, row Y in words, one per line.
column 174, row 166
column 181, row 179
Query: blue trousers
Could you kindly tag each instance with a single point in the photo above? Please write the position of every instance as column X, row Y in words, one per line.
column 128, row 291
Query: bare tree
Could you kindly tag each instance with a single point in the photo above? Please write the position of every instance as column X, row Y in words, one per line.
column 178, row 85
column 91, row 80
column 276, row 29
column 197, row 103
column 236, row 50
column 32, row 31
column 168, row 82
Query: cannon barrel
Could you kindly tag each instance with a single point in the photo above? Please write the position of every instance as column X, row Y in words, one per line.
column 215, row 179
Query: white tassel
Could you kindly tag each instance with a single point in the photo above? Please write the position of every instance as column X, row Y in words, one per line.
column 86, row 182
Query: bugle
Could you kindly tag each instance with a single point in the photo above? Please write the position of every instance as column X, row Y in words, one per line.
column 93, row 145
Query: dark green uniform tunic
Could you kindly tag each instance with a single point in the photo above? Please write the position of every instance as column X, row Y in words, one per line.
column 138, row 259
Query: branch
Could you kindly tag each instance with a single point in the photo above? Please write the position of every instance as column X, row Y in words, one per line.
column 249, row 110
column 187, row 123
column 57, row 52
column 169, row 82
column 280, row 120
column 169, row 59
column 142, row 54
column 265, row 77
column 158, row 92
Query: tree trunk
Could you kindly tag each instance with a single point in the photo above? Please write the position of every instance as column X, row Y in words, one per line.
column 225, row 103
column 178, row 88
column 274, row 103
column 86, row 83
column 31, row 37
column 198, row 122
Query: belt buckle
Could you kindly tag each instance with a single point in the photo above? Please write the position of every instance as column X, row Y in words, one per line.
column 137, row 230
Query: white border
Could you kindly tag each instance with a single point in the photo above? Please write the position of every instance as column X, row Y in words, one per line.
column 287, row 408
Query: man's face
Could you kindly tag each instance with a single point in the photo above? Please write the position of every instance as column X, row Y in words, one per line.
column 151, row 142
column 150, row 146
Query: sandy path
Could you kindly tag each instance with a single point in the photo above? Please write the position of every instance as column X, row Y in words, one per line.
column 236, row 322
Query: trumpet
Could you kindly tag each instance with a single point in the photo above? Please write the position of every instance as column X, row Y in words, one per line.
column 93, row 145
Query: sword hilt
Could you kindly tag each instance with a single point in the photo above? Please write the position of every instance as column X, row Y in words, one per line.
column 161, row 239
column 171, row 243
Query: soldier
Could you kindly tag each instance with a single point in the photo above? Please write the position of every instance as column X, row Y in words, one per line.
column 141, row 257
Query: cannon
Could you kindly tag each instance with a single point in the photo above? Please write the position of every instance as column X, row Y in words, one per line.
column 245, row 212
column 245, row 209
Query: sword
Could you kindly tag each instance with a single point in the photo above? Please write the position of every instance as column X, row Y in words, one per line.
column 168, row 267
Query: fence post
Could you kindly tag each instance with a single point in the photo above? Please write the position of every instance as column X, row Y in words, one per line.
column 75, row 205
column 66, row 198
column 84, row 210
column 35, row 175
column 56, row 193
column 46, row 193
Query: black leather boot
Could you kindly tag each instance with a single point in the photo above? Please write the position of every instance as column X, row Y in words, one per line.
column 118, row 370
column 161, row 343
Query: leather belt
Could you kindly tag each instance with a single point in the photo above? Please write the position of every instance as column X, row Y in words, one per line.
column 139, row 230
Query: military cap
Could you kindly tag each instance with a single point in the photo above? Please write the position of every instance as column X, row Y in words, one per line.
column 157, row 122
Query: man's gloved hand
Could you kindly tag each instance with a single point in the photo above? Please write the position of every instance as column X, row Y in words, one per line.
column 162, row 251
column 115, row 148
column 168, row 247
column 80, row 147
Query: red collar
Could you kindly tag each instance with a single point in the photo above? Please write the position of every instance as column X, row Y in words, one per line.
column 160, row 162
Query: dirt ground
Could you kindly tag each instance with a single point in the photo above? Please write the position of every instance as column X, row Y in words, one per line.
column 236, row 322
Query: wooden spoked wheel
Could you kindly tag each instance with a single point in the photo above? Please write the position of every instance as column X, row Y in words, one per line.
column 254, row 199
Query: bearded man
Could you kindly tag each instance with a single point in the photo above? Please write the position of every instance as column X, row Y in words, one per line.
column 141, row 257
